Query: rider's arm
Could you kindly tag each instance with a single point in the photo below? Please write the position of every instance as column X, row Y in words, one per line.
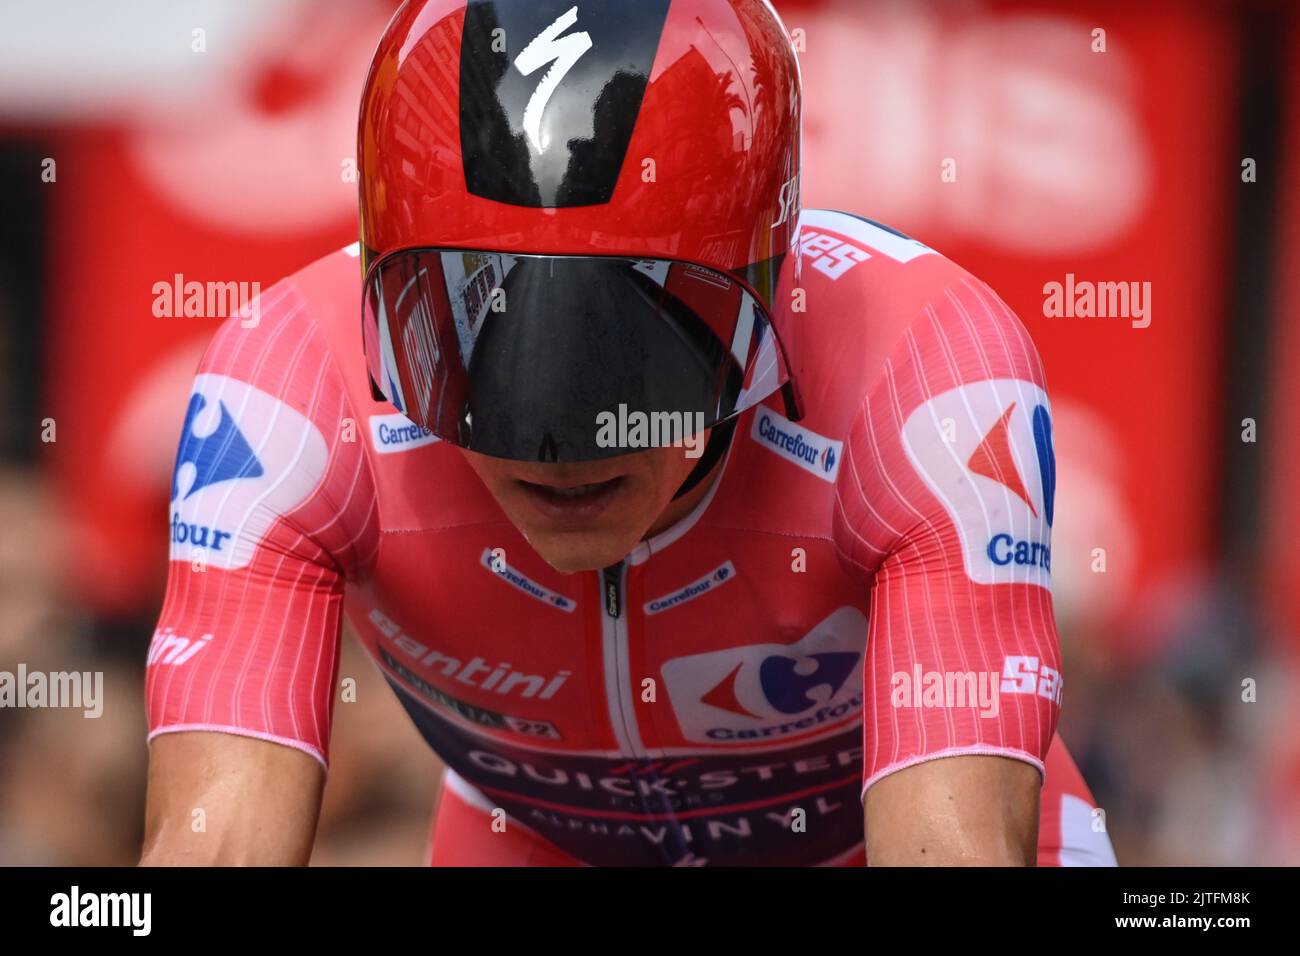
column 223, row 800
column 272, row 510
column 962, row 811
column 944, row 498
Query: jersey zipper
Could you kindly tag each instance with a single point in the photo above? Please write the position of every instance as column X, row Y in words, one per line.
column 612, row 577
column 618, row 677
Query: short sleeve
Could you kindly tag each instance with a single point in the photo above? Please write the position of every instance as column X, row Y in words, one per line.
column 272, row 510
column 946, row 498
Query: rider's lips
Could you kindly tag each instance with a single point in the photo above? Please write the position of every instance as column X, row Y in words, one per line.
column 573, row 503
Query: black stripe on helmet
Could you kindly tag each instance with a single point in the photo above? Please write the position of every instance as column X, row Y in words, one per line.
column 549, row 95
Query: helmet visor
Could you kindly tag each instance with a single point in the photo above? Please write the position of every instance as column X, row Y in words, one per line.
column 564, row 358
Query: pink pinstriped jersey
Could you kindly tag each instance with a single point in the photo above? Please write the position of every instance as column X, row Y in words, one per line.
column 861, row 591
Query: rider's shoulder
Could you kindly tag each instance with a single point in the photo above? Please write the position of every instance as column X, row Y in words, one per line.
column 873, row 290
column 330, row 287
column 870, row 259
column 342, row 265
column 324, row 293
column 299, row 335
column 867, row 283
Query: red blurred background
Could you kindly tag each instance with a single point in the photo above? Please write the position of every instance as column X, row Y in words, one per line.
column 129, row 155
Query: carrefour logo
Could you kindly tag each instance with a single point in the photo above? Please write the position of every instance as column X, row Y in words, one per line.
column 815, row 454
column 394, row 433
column 497, row 565
column 704, row 585
column 772, row 691
column 219, row 455
column 788, row 682
column 244, row 458
column 1003, row 549
column 985, row 451
column 208, row 456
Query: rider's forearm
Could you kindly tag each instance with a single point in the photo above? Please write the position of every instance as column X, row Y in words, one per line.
column 224, row 800
column 955, row 811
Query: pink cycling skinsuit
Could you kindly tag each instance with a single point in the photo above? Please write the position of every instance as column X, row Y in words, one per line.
column 858, row 592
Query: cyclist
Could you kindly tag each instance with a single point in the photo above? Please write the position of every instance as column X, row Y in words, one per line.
column 689, row 526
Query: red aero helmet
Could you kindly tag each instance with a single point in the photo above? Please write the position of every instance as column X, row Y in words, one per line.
column 571, row 208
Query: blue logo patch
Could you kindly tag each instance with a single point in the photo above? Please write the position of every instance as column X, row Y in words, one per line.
column 787, row 690
column 221, row 456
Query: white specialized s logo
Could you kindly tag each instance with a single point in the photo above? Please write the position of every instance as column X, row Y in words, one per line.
column 547, row 47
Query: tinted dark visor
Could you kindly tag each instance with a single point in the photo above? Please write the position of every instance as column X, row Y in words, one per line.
column 564, row 358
